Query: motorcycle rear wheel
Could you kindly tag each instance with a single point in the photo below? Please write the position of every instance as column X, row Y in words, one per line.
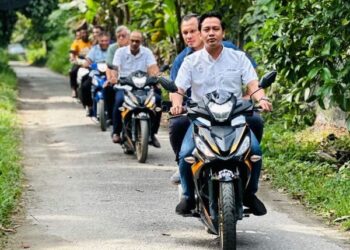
column 102, row 115
column 227, row 216
column 141, row 143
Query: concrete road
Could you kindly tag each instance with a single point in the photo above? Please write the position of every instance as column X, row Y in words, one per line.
column 82, row 192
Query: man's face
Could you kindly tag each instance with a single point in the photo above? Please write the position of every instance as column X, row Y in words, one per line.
column 103, row 41
column 135, row 42
column 84, row 34
column 212, row 32
column 122, row 38
column 191, row 34
column 96, row 32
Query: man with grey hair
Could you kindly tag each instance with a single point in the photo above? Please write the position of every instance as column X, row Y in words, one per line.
column 122, row 35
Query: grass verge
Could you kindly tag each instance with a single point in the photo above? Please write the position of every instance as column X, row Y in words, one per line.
column 10, row 169
column 313, row 167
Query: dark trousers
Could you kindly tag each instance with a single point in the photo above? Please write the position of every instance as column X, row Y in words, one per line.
column 108, row 95
column 86, row 95
column 117, row 118
column 178, row 127
column 73, row 76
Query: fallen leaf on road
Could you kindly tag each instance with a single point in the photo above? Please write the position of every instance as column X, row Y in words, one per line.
column 164, row 234
column 25, row 245
column 7, row 230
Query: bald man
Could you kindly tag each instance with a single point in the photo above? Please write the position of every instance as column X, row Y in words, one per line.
column 126, row 60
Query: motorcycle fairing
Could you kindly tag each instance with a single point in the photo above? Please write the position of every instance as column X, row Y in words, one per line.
column 224, row 137
column 243, row 106
column 240, row 132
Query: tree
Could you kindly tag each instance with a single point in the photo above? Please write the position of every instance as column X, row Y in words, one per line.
column 307, row 41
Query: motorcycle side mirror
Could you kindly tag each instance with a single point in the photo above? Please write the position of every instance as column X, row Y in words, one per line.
column 168, row 85
column 267, row 79
column 164, row 68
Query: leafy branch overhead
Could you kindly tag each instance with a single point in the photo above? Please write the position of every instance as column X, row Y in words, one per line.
column 307, row 41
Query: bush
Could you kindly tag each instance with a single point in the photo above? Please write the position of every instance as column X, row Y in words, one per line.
column 58, row 58
column 36, row 56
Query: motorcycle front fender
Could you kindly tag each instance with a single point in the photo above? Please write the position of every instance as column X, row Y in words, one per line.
column 142, row 116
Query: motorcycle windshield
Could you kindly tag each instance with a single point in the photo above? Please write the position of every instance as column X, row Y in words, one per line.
column 220, row 104
column 220, row 96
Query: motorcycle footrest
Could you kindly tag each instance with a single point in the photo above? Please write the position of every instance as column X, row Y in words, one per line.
column 247, row 212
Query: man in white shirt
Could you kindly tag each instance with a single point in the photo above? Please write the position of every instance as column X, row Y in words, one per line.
column 216, row 68
column 127, row 60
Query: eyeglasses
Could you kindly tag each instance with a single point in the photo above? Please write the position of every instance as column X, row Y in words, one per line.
column 135, row 41
column 121, row 35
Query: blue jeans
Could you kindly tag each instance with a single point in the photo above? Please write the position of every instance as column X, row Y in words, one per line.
column 188, row 146
column 117, row 117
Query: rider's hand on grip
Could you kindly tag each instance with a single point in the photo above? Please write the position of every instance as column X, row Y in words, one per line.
column 177, row 110
column 265, row 105
column 152, row 80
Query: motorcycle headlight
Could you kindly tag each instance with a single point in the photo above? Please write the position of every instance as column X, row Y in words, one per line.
column 131, row 100
column 139, row 81
column 102, row 67
column 203, row 147
column 151, row 99
column 150, row 102
column 245, row 145
column 220, row 112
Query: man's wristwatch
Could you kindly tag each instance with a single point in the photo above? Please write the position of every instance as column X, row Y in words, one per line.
column 265, row 99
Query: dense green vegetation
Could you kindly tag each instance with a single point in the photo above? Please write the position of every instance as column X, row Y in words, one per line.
column 57, row 58
column 307, row 42
column 312, row 166
column 10, row 171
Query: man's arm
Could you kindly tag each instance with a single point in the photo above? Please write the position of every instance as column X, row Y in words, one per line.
column 153, row 70
column 183, row 82
column 259, row 96
column 73, row 52
column 177, row 101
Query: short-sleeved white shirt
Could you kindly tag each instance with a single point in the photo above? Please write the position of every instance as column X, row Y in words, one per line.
column 204, row 74
column 128, row 63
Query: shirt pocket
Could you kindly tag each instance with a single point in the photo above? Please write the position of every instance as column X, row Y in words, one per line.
column 230, row 77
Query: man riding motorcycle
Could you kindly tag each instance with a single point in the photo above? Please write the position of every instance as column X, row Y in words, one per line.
column 78, row 50
column 216, row 68
column 126, row 60
column 179, row 125
column 122, row 34
column 97, row 54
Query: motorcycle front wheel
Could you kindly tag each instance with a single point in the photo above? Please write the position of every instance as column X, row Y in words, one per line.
column 227, row 218
column 141, row 143
column 102, row 115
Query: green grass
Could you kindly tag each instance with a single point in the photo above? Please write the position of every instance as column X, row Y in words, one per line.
column 292, row 162
column 10, row 169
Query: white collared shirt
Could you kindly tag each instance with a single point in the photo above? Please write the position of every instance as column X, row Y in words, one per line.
column 128, row 63
column 204, row 74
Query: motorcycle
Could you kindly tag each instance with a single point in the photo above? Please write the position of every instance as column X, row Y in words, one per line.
column 138, row 113
column 98, row 75
column 81, row 75
column 221, row 162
